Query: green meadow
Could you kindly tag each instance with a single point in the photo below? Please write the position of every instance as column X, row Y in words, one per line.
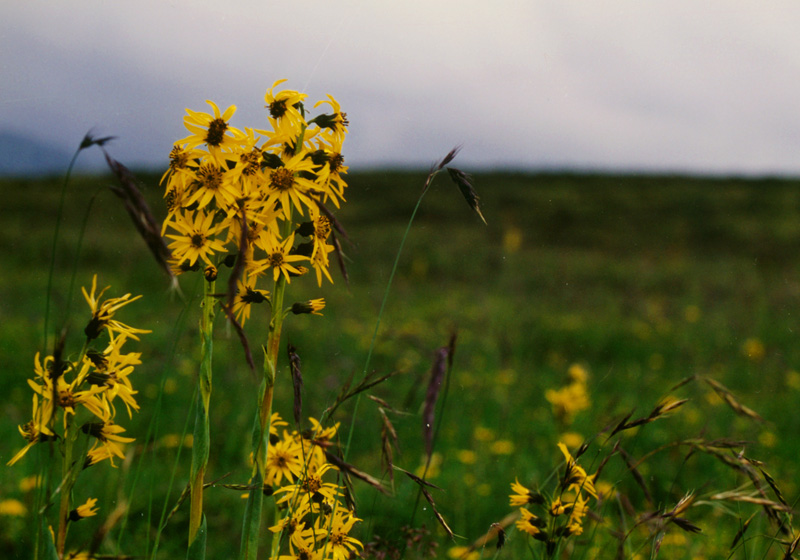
column 646, row 282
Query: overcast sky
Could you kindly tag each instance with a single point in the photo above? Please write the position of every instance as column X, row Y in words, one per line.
column 678, row 85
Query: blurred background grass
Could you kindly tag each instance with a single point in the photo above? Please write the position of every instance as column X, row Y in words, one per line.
column 642, row 280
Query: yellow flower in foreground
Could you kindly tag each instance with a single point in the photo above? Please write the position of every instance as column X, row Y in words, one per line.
column 575, row 477
column 523, row 496
column 280, row 259
column 194, row 238
column 103, row 313
column 529, row 523
column 211, row 130
column 86, row 510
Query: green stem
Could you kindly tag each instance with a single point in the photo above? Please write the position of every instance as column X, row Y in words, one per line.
column 380, row 312
column 201, row 437
column 67, row 482
column 253, row 510
column 59, row 214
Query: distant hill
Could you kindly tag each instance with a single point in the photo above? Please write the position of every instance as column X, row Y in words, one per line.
column 22, row 155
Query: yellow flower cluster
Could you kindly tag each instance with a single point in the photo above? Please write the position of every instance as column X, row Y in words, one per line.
column 88, row 389
column 315, row 522
column 562, row 514
column 572, row 398
column 234, row 192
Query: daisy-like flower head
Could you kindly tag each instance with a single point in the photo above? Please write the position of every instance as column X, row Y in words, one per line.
column 334, row 124
column 211, row 130
column 284, row 460
column 103, row 313
column 195, row 238
column 285, row 105
column 279, row 258
column 68, row 397
column 289, row 186
column 335, row 532
column 213, row 184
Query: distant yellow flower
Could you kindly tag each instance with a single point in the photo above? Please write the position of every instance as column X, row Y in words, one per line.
column 502, row 447
column 754, row 349
column 793, row 380
column 463, row 553
column 691, row 313
column 482, row 433
column 571, row 439
column 767, row 439
column 13, row 508
column 467, row 456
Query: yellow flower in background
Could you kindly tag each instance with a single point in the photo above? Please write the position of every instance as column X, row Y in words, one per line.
column 754, row 349
column 467, row 456
column 502, row 447
column 483, row 433
column 572, row 439
column 463, row 553
column 13, row 508
column 577, row 374
column 512, row 239
column 793, row 380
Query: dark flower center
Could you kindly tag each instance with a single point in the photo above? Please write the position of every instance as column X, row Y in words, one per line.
column 198, row 239
column 216, row 132
column 210, row 177
column 282, row 179
column 336, row 161
column 178, row 158
column 276, row 259
column 277, row 108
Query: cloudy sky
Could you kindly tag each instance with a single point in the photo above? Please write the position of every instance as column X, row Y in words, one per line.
column 680, row 85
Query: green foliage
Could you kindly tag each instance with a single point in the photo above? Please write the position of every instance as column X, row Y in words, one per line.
column 642, row 280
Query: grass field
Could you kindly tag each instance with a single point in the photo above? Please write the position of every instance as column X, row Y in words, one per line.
column 643, row 281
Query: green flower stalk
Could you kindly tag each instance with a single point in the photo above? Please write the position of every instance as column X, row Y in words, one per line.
column 202, row 437
column 77, row 397
column 233, row 197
